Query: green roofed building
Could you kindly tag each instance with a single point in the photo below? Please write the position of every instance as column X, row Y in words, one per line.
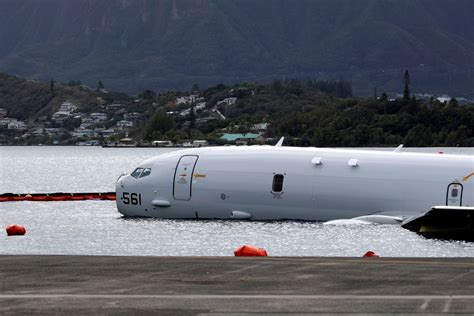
column 241, row 139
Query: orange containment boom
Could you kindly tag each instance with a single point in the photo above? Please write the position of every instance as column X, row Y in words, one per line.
column 59, row 196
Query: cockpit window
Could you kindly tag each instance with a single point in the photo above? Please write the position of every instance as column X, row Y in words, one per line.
column 136, row 173
column 145, row 172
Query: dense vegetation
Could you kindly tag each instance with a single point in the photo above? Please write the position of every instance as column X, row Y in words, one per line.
column 300, row 111
column 308, row 116
column 168, row 45
column 308, row 112
column 35, row 100
column 365, row 122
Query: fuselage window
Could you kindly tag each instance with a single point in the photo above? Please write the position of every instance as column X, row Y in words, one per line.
column 136, row 173
column 454, row 193
column 277, row 183
column 145, row 172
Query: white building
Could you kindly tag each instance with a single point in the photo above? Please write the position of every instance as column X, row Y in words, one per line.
column 87, row 120
column 261, row 128
column 53, row 131
column 98, row 117
column 67, row 107
column 188, row 99
column 162, row 143
column 114, row 106
column 38, row 131
column 16, row 125
column 60, row 116
column 228, row 101
column 84, row 133
column 444, row 99
column 4, row 122
column 133, row 116
column 187, row 143
column 200, row 106
column 108, row 132
column 185, row 112
column 200, row 143
column 124, row 124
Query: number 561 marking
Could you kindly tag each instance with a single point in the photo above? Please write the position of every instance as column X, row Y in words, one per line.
column 132, row 198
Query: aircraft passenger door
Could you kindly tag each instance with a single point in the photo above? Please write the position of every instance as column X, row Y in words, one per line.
column 183, row 178
column 454, row 194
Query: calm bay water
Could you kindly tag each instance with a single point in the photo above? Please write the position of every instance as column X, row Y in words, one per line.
column 96, row 228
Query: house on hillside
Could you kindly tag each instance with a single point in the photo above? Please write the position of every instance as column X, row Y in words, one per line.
column 13, row 124
column 114, row 107
column 108, row 133
column 4, row 122
column 124, row 124
column 200, row 143
column 60, row 116
column 200, row 106
column 84, row 133
column 98, row 117
column 188, row 99
column 17, row 125
column 261, row 128
column 67, row 107
column 228, row 101
column 133, row 116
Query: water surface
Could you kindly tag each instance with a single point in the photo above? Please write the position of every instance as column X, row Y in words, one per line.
column 96, row 228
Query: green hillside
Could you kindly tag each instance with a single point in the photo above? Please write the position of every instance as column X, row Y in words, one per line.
column 308, row 113
column 171, row 44
column 35, row 100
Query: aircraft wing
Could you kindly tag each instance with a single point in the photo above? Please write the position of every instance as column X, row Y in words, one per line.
column 445, row 222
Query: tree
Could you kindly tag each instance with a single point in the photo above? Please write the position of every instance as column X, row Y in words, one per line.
column 147, row 94
column 406, row 86
column 453, row 102
column 192, row 117
column 73, row 83
column 159, row 125
column 100, row 85
column 51, row 85
column 195, row 88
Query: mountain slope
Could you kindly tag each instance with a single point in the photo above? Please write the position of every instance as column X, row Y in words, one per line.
column 136, row 44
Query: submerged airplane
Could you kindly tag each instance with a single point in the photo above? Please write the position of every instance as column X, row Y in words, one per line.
column 316, row 184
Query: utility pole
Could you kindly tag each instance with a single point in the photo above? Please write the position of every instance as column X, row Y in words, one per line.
column 406, row 84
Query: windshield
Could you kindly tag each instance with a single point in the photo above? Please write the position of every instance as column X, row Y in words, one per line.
column 145, row 172
column 136, row 173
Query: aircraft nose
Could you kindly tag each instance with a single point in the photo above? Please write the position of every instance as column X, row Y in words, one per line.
column 121, row 187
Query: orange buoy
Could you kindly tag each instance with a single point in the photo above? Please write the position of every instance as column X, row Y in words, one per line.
column 15, row 230
column 250, row 251
column 370, row 254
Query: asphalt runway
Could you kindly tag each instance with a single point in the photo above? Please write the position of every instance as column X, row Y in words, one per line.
column 227, row 285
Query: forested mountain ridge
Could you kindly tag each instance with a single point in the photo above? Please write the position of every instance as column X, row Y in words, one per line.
column 134, row 45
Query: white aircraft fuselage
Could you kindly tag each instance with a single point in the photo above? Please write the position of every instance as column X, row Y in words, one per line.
column 273, row 183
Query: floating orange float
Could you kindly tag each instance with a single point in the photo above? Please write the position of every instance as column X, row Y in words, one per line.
column 250, row 251
column 370, row 254
column 15, row 230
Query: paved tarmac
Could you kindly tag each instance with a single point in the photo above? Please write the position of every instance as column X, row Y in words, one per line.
column 228, row 285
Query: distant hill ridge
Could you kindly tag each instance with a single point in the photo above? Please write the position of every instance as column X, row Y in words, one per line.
column 170, row 44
